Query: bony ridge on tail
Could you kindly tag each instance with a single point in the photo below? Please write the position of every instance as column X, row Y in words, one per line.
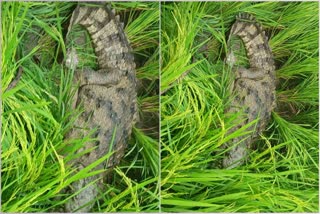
column 108, row 97
column 253, row 87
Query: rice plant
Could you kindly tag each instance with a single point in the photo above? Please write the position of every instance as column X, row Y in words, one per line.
column 36, row 110
column 281, row 174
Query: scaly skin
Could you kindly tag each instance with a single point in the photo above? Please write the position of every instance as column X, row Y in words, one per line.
column 108, row 97
column 254, row 87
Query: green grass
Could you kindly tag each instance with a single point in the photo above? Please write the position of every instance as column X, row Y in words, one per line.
column 282, row 172
column 36, row 113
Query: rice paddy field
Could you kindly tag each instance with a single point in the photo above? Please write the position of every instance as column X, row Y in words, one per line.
column 37, row 114
column 172, row 161
column 281, row 174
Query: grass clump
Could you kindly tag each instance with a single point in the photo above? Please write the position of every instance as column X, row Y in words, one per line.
column 36, row 113
column 282, row 172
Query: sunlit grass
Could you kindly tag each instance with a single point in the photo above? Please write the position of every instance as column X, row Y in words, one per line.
column 282, row 172
column 36, row 113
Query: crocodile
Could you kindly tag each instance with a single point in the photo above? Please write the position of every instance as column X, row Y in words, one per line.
column 107, row 96
column 253, row 87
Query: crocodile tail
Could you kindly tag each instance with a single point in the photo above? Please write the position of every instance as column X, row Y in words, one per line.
column 255, row 40
column 107, row 34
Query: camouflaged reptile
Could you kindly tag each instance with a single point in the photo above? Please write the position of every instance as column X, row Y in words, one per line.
column 253, row 87
column 108, row 97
